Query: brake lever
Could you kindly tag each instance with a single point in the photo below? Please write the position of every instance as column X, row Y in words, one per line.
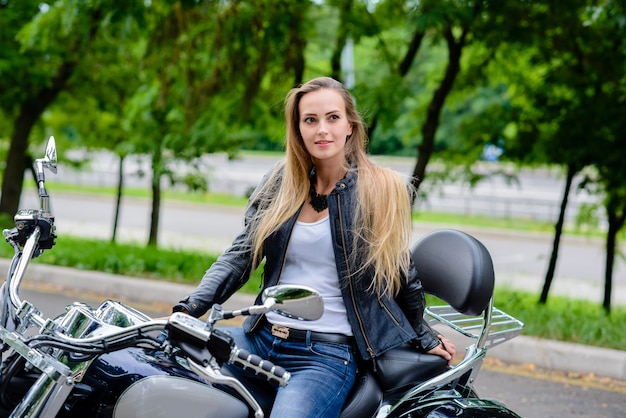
column 215, row 314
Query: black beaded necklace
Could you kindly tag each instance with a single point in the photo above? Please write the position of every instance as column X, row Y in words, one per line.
column 319, row 202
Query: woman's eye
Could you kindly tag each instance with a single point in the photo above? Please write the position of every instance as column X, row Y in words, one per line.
column 309, row 120
column 334, row 117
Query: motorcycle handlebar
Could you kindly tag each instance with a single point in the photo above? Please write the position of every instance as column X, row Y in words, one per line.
column 255, row 364
column 185, row 328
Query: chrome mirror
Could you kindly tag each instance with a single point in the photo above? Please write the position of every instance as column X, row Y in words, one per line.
column 50, row 160
column 293, row 301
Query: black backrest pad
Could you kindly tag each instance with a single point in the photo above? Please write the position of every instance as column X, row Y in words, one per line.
column 455, row 267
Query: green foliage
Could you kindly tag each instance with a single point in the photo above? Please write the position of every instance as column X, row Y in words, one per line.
column 195, row 77
column 587, row 217
column 20, row 71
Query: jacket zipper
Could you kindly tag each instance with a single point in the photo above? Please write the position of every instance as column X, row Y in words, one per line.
column 356, row 311
column 391, row 315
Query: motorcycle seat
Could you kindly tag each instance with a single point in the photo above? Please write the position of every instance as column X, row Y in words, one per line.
column 397, row 371
column 365, row 396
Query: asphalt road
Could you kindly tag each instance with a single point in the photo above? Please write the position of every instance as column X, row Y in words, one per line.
column 533, row 193
column 527, row 391
column 520, row 260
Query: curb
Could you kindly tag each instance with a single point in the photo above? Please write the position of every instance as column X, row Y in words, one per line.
column 565, row 357
column 547, row 354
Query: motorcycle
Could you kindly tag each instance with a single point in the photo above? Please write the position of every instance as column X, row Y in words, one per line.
column 114, row 361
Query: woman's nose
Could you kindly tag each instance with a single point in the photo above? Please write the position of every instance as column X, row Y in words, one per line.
column 322, row 128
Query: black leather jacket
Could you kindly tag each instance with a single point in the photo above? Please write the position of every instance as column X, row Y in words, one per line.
column 379, row 323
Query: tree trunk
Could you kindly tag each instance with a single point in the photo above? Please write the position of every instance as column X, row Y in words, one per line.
column 118, row 200
column 294, row 59
column 342, row 37
column 156, row 197
column 429, row 129
column 16, row 163
column 558, row 230
column 335, row 60
column 30, row 111
column 616, row 217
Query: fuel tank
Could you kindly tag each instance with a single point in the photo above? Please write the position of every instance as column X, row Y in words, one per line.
column 138, row 383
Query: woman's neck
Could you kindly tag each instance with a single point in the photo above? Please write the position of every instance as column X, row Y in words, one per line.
column 326, row 178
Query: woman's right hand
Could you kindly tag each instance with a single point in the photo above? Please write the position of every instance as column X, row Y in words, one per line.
column 445, row 349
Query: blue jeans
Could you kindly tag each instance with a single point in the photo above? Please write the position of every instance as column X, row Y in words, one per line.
column 322, row 374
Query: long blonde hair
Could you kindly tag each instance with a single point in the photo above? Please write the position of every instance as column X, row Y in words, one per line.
column 382, row 221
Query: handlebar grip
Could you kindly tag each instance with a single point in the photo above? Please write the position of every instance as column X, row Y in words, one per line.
column 255, row 364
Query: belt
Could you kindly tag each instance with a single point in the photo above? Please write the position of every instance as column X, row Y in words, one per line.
column 292, row 334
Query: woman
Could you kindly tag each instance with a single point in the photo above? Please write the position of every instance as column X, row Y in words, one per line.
column 329, row 218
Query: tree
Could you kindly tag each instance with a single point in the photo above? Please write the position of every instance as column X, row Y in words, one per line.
column 45, row 46
column 100, row 96
column 30, row 84
column 583, row 50
column 447, row 24
column 205, row 66
column 466, row 14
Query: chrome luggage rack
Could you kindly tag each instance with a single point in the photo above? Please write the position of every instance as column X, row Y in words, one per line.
column 492, row 328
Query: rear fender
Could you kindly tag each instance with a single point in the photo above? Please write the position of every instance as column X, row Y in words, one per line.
column 455, row 408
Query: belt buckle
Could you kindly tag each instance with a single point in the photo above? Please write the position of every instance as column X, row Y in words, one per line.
column 280, row 331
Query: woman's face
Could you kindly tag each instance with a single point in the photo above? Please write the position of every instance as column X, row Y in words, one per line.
column 324, row 125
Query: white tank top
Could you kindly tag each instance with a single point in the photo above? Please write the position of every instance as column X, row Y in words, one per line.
column 310, row 261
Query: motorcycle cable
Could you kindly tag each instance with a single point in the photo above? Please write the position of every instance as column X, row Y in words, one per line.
column 92, row 348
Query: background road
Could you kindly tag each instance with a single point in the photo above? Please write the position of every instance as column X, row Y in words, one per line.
column 520, row 259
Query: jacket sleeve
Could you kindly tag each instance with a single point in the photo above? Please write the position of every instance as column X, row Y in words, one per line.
column 230, row 271
column 412, row 302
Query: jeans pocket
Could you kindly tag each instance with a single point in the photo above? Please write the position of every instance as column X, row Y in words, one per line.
column 336, row 352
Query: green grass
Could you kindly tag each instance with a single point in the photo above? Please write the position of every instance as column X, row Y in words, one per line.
column 564, row 319
column 142, row 193
column 451, row 220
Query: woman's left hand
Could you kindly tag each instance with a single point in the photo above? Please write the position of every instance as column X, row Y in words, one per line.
column 445, row 349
